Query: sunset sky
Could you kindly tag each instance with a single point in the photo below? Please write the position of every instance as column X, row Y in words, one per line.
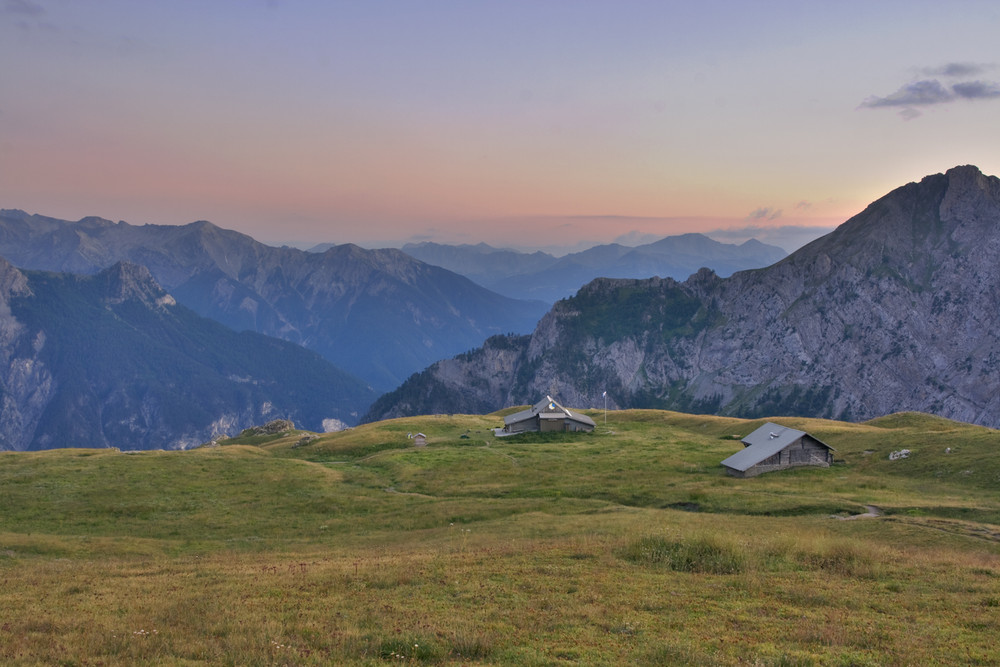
column 518, row 123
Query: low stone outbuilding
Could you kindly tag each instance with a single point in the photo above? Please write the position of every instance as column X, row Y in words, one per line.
column 774, row 447
column 545, row 416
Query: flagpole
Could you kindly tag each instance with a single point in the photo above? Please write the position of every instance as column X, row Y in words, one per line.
column 605, row 408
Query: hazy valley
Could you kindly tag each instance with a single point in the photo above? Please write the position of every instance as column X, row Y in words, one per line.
column 541, row 276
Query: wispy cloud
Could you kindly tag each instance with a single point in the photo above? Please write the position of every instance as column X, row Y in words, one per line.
column 977, row 90
column 23, row 8
column 957, row 70
column 764, row 213
column 28, row 15
column 928, row 92
column 918, row 93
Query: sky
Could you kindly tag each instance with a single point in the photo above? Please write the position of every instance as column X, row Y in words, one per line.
column 539, row 123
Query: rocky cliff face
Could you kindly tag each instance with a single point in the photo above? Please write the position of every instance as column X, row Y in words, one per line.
column 26, row 383
column 895, row 310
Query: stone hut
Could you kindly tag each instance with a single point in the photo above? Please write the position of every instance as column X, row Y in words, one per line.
column 774, row 447
column 546, row 415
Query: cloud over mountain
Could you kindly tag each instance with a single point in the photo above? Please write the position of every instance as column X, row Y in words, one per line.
column 928, row 92
column 764, row 213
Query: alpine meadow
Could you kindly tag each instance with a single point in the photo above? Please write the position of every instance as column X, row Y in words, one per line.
column 625, row 545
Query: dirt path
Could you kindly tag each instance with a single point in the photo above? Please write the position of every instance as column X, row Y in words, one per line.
column 870, row 514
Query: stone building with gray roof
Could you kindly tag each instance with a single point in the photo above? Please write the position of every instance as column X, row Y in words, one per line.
column 774, row 447
column 546, row 415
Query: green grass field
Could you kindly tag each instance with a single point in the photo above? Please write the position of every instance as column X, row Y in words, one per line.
column 628, row 545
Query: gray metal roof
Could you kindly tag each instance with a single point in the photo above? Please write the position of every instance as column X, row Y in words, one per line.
column 765, row 442
column 583, row 419
column 519, row 416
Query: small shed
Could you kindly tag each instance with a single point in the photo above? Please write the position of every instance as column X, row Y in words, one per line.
column 546, row 415
column 774, row 447
column 419, row 440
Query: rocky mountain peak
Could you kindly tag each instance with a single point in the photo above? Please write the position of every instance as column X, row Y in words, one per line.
column 126, row 281
column 972, row 198
column 970, row 176
column 911, row 233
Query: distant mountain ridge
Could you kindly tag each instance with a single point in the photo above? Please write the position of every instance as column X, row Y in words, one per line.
column 481, row 262
column 379, row 314
column 111, row 360
column 542, row 276
column 895, row 310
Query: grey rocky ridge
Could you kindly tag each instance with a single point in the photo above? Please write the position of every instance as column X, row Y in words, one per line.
column 894, row 310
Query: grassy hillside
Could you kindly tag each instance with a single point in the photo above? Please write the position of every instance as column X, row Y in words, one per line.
column 626, row 545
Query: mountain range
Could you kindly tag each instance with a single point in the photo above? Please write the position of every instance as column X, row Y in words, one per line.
column 379, row 314
column 894, row 310
column 539, row 275
column 112, row 360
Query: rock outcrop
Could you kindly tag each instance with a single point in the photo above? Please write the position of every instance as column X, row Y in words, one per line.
column 26, row 382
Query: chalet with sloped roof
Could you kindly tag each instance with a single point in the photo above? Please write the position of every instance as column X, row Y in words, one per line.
column 545, row 416
column 773, row 447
